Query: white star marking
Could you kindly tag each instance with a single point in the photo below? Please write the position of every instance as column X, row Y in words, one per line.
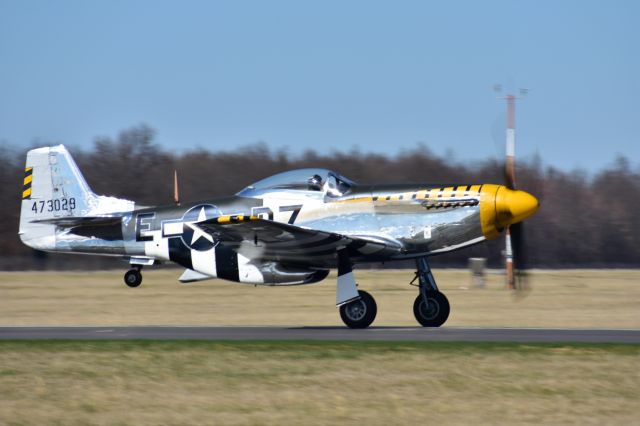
column 197, row 231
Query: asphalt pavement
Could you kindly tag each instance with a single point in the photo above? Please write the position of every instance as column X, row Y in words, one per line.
column 404, row 334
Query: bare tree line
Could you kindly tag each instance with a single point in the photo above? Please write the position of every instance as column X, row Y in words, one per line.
column 584, row 220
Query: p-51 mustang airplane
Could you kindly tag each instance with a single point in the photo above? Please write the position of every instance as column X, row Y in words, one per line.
column 287, row 229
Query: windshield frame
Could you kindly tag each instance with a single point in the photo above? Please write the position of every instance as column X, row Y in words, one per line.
column 300, row 180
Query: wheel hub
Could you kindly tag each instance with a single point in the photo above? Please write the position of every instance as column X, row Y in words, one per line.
column 356, row 310
column 430, row 310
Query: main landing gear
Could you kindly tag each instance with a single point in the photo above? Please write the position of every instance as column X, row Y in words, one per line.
column 431, row 308
column 358, row 308
column 133, row 277
column 359, row 313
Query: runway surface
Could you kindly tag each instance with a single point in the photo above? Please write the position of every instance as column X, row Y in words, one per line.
column 405, row 334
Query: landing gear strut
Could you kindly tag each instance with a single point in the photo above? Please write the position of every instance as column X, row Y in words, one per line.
column 431, row 308
column 358, row 308
column 133, row 277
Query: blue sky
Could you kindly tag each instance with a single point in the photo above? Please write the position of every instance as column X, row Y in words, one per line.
column 327, row 75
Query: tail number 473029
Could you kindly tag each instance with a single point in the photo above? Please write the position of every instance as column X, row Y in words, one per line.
column 59, row 204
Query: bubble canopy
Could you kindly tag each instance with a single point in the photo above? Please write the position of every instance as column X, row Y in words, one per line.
column 317, row 180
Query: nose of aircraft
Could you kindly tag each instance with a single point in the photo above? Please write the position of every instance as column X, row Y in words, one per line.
column 513, row 206
column 501, row 207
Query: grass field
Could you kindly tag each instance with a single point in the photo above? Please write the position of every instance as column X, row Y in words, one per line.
column 291, row 383
column 578, row 298
column 276, row 383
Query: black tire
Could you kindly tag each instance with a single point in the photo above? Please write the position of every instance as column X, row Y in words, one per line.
column 133, row 278
column 437, row 311
column 359, row 313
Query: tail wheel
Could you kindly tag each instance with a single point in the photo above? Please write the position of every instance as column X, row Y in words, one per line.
column 359, row 313
column 435, row 312
column 133, row 278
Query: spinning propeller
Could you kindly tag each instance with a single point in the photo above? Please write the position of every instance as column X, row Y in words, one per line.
column 515, row 256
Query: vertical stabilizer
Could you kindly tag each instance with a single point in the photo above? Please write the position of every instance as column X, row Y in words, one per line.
column 54, row 188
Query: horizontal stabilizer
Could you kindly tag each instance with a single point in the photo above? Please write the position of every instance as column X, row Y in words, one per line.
column 70, row 222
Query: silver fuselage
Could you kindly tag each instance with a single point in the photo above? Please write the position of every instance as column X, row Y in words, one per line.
column 413, row 220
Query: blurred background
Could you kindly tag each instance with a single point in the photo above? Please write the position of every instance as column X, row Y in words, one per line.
column 228, row 93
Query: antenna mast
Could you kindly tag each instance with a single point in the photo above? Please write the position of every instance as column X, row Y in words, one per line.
column 176, row 193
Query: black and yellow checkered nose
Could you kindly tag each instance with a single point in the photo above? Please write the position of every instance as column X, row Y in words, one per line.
column 28, row 179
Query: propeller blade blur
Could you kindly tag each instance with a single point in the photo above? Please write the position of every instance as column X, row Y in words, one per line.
column 520, row 258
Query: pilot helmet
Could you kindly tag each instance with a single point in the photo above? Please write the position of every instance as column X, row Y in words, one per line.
column 315, row 183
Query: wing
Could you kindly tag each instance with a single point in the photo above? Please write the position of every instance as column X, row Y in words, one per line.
column 259, row 238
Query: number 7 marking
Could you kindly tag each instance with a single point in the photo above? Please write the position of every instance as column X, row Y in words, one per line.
column 294, row 212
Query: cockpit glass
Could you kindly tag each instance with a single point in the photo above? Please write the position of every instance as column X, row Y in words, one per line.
column 320, row 180
column 336, row 186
